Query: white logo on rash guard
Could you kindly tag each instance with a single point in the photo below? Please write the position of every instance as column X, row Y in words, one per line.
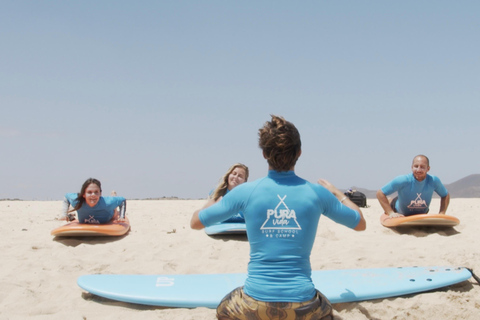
column 281, row 220
column 91, row 220
column 418, row 203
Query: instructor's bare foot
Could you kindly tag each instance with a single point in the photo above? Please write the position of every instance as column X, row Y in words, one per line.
column 113, row 193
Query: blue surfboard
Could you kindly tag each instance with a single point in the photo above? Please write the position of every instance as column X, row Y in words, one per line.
column 226, row 228
column 207, row 290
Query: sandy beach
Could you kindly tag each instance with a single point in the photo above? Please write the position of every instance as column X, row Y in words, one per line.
column 39, row 272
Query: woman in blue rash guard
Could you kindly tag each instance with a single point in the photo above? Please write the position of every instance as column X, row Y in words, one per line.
column 281, row 213
column 235, row 176
column 91, row 206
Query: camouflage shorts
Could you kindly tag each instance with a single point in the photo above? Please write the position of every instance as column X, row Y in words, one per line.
column 239, row 306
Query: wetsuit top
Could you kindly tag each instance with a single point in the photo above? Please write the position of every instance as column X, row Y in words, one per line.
column 102, row 212
column 281, row 213
column 238, row 217
column 414, row 196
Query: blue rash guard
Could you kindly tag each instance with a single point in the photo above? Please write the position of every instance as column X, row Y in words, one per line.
column 281, row 213
column 238, row 217
column 102, row 212
column 414, row 196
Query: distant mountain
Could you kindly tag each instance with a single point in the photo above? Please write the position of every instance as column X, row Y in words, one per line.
column 468, row 187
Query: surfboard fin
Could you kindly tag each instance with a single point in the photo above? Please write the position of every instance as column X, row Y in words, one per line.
column 474, row 275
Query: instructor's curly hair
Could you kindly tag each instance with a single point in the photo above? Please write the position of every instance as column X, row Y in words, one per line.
column 280, row 141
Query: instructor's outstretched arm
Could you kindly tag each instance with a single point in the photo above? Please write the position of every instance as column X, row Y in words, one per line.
column 195, row 222
column 362, row 224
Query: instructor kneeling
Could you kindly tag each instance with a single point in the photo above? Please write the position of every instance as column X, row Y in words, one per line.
column 281, row 213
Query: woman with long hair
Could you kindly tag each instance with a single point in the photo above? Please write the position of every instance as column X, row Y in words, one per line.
column 91, row 206
column 235, row 176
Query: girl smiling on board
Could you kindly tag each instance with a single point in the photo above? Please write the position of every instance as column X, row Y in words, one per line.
column 235, row 175
column 91, row 206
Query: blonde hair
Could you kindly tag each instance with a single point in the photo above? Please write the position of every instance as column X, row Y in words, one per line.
column 222, row 186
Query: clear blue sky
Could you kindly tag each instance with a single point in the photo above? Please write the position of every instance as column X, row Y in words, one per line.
column 159, row 98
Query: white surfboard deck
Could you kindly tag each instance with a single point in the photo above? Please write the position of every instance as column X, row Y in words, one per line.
column 207, row 290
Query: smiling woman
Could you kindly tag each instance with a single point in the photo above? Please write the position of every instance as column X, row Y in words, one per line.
column 235, row 175
column 91, row 206
column 92, row 194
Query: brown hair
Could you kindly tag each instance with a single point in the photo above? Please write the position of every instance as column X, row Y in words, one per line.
column 221, row 189
column 80, row 198
column 280, row 141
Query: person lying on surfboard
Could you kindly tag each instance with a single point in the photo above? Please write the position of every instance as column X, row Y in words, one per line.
column 281, row 213
column 235, row 175
column 91, row 206
column 415, row 191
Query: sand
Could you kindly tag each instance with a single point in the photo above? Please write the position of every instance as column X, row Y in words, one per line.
column 39, row 272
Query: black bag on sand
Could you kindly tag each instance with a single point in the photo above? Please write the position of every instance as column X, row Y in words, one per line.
column 357, row 197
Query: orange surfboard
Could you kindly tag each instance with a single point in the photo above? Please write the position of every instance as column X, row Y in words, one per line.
column 76, row 229
column 433, row 220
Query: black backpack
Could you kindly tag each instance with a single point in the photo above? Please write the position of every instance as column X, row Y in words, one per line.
column 357, row 197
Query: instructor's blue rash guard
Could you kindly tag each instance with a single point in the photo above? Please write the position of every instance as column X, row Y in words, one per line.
column 414, row 196
column 102, row 212
column 238, row 217
column 281, row 213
